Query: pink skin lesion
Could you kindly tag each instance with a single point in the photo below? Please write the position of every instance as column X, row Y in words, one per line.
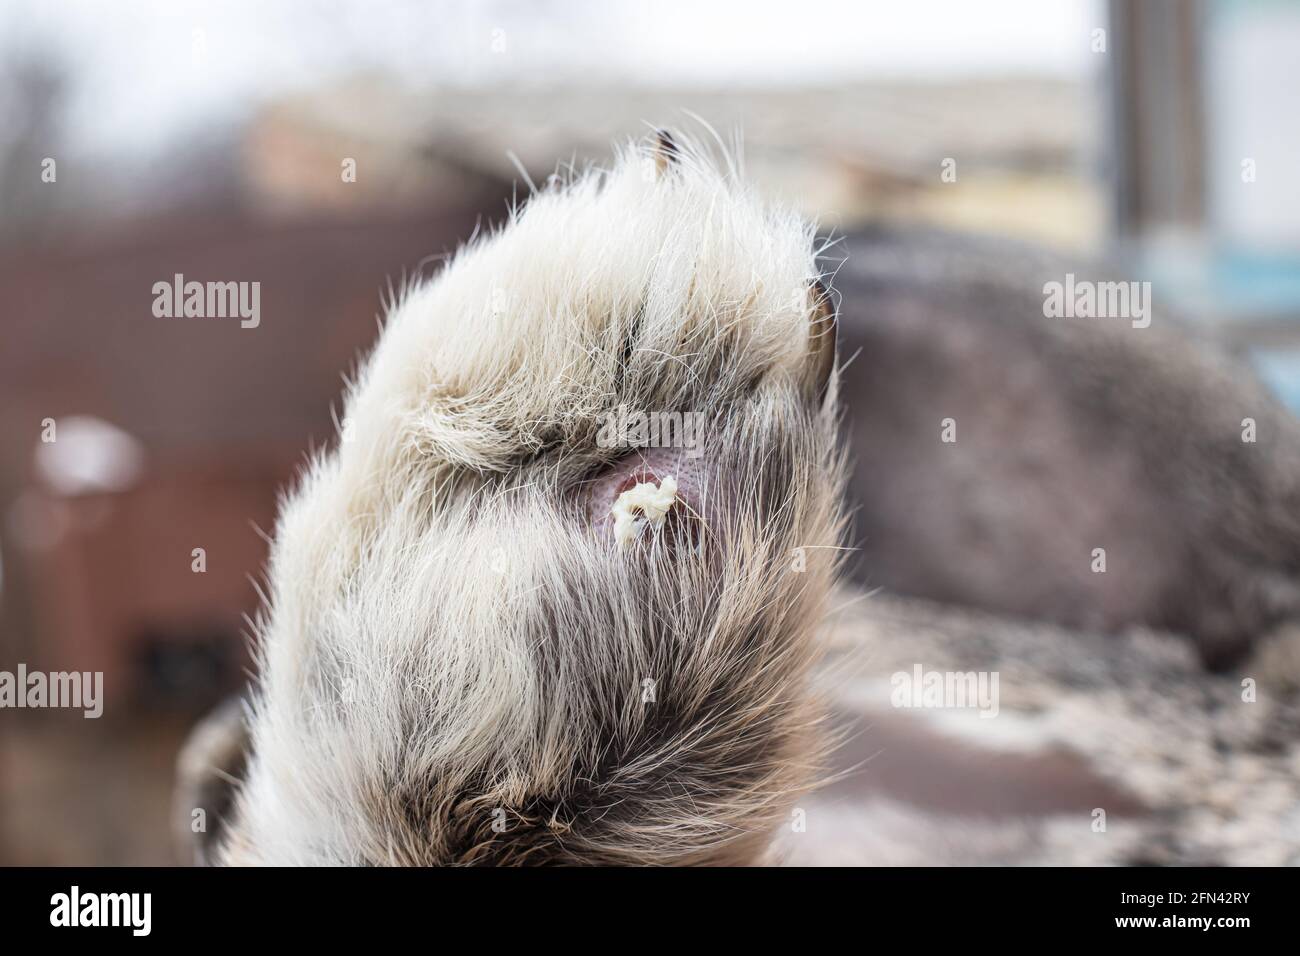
column 649, row 465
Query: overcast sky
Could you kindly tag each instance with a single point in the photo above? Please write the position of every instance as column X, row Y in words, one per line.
column 151, row 70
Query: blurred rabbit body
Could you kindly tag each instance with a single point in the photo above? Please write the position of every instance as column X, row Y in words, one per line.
column 1083, row 469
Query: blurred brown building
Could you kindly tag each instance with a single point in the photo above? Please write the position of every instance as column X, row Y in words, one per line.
column 175, row 434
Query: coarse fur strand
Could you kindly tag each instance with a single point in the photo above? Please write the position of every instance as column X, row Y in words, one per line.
column 455, row 666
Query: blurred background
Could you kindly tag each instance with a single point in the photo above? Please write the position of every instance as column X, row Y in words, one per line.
column 329, row 149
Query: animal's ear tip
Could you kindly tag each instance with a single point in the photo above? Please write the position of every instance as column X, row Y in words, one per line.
column 208, row 768
column 823, row 332
column 823, row 302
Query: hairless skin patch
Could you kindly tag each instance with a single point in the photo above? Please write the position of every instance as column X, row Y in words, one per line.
column 617, row 491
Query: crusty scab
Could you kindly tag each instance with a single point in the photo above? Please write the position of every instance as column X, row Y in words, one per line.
column 518, row 688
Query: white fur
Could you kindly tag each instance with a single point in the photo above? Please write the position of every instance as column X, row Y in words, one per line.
column 401, row 647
